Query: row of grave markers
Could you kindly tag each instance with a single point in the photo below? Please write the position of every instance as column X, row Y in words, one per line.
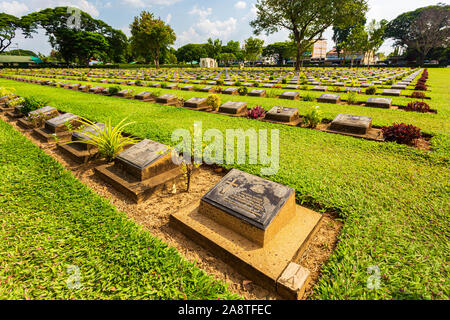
column 251, row 223
column 352, row 125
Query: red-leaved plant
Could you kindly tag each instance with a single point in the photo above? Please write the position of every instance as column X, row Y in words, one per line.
column 256, row 112
column 420, row 87
column 418, row 95
column 402, row 133
column 418, row 106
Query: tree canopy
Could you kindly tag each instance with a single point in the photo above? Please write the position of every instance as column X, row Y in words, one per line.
column 150, row 36
column 8, row 27
column 78, row 43
column 253, row 48
column 421, row 30
column 306, row 19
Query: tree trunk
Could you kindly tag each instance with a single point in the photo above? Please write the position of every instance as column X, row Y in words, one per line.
column 297, row 62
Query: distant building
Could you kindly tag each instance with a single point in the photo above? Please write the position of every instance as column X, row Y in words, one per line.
column 19, row 61
column 208, row 63
column 319, row 51
column 368, row 58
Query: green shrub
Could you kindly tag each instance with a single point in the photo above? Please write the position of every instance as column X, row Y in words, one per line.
column 242, row 91
column 213, row 100
column 312, row 118
column 15, row 102
column 114, row 90
column 308, row 97
column 109, row 140
column 352, row 97
column 371, row 90
column 32, row 103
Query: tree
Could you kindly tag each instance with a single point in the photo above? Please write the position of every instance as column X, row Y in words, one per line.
column 355, row 43
column 8, row 27
column 20, row 52
column 234, row 48
column 281, row 50
column 226, row 57
column 101, row 39
column 341, row 34
column 149, row 36
column 306, row 19
column 191, row 52
column 117, row 44
column 253, row 48
column 214, row 48
column 421, row 30
column 375, row 37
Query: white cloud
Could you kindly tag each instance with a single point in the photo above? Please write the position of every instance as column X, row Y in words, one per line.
column 84, row 5
column 208, row 28
column 126, row 30
column 149, row 3
column 135, row 3
column 201, row 13
column 240, row 5
column 169, row 18
column 14, row 8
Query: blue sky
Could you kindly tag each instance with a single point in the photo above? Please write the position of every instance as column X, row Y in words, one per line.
column 194, row 21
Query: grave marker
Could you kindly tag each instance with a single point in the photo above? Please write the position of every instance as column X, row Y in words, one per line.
column 351, row 124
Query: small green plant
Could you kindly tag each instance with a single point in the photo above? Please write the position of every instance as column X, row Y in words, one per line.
column 187, row 160
column 313, row 118
column 238, row 83
column 6, row 91
column 114, row 90
column 38, row 120
column 352, row 97
column 284, row 81
column 271, row 93
column 31, row 104
column 308, row 97
column 242, row 91
column 109, row 140
column 213, row 100
column 256, row 84
column 219, row 82
column 371, row 90
column 15, row 102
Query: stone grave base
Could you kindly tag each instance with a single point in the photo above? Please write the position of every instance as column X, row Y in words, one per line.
column 263, row 265
column 24, row 124
column 149, row 99
column 6, row 109
column 13, row 115
column 47, row 136
column 293, row 123
column 77, row 153
column 202, row 108
column 372, row 133
column 132, row 187
column 329, row 101
column 242, row 114
column 288, row 97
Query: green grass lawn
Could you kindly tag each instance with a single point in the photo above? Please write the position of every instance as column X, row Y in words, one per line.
column 394, row 198
column 50, row 221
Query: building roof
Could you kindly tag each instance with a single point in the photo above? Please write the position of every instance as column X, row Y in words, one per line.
column 19, row 59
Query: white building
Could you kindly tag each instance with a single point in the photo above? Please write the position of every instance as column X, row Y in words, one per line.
column 319, row 51
column 208, row 63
